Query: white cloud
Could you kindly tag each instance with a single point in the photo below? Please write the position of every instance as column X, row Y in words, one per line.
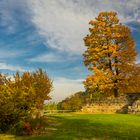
column 64, row 87
column 45, row 58
column 63, row 23
column 10, row 53
column 4, row 66
column 52, row 57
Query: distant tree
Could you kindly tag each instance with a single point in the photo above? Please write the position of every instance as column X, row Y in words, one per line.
column 50, row 106
column 74, row 102
column 110, row 54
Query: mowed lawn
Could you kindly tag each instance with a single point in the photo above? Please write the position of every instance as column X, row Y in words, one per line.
column 91, row 127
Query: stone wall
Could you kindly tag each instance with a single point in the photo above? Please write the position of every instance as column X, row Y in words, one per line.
column 130, row 103
column 135, row 108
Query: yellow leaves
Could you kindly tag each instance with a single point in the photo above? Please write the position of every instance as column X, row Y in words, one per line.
column 101, row 23
column 97, row 23
column 108, row 17
column 97, row 49
column 104, row 14
column 109, row 47
column 108, row 29
column 100, row 80
column 92, row 22
column 105, row 47
column 118, row 35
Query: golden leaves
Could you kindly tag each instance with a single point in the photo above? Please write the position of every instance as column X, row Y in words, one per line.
column 109, row 46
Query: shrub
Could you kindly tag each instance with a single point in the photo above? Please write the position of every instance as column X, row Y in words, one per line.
column 19, row 97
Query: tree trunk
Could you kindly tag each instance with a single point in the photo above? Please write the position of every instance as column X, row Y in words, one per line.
column 116, row 94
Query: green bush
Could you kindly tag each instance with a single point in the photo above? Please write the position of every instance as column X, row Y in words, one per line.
column 74, row 102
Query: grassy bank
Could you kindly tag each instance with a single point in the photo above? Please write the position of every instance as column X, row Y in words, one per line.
column 91, row 127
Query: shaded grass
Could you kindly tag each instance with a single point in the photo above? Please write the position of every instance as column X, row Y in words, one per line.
column 91, row 127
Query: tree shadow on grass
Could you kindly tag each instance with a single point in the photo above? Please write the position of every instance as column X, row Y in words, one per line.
column 82, row 129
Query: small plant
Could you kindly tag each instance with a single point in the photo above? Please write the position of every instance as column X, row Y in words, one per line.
column 27, row 128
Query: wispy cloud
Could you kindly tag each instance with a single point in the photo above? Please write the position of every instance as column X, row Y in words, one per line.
column 8, row 10
column 51, row 57
column 10, row 53
column 4, row 66
column 63, row 23
column 64, row 87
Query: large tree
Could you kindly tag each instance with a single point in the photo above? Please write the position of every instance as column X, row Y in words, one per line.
column 110, row 54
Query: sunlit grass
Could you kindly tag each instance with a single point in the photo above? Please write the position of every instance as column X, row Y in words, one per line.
column 91, row 127
column 6, row 137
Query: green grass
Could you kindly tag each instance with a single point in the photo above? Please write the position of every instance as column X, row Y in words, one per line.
column 91, row 127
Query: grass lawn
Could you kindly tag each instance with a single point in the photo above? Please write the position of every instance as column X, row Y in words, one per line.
column 91, row 127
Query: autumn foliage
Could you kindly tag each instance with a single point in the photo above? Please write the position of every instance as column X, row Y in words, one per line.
column 110, row 54
column 21, row 96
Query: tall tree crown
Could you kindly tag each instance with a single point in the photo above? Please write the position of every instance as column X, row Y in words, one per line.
column 110, row 52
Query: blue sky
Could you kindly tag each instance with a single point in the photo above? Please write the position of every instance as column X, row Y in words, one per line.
column 49, row 34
